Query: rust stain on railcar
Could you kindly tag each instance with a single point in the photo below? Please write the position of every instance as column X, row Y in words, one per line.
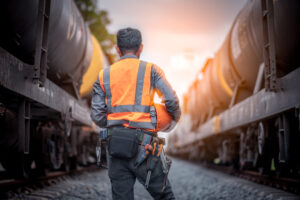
column 217, row 124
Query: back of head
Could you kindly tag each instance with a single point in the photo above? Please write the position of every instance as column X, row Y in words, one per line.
column 129, row 40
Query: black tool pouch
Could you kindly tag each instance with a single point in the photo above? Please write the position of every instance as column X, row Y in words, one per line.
column 122, row 143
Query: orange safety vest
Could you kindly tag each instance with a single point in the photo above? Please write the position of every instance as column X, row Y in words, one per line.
column 128, row 94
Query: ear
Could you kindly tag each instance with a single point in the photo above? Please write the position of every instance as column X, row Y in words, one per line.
column 118, row 51
column 139, row 51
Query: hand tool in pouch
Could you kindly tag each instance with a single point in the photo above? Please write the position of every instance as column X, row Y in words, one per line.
column 166, row 165
column 152, row 161
column 101, row 143
column 142, row 154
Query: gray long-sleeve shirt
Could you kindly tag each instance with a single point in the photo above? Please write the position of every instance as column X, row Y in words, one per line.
column 158, row 82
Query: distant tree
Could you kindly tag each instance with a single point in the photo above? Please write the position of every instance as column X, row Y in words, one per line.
column 97, row 21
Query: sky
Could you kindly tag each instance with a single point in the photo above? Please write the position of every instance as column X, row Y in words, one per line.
column 178, row 35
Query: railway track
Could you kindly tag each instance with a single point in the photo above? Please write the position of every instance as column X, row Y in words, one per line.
column 92, row 183
column 11, row 187
column 287, row 184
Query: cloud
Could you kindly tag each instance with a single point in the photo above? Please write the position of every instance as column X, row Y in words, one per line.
column 170, row 27
column 181, row 16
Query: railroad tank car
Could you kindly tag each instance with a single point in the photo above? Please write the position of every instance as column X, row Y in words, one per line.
column 70, row 43
column 235, row 65
column 46, row 126
column 237, row 116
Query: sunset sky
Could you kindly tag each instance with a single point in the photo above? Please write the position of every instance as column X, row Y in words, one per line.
column 178, row 35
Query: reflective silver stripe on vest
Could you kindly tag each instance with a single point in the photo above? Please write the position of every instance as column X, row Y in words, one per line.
column 116, row 122
column 140, row 83
column 130, row 108
column 147, row 125
column 106, row 84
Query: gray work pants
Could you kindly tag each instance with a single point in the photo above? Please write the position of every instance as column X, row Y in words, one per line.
column 123, row 173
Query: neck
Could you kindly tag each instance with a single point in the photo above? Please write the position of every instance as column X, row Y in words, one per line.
column 129, row 54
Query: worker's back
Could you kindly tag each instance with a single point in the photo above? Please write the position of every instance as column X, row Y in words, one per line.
column 123, row 76
column 129, row 98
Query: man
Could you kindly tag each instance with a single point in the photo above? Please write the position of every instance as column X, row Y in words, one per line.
column 122, row 98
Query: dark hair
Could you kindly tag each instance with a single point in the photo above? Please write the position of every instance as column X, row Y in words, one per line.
column 129, row 39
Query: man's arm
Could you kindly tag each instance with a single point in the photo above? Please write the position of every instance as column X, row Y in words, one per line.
column 98, row 106
column 160, row 83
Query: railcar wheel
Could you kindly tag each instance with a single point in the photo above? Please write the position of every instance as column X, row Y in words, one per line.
column 261, row 138
column 248, row 148
column 66, row 166
column 12, row 158
column 287, row 136
column 284, row 139
column 17, row 165
column 228, row 151
column 264, row 147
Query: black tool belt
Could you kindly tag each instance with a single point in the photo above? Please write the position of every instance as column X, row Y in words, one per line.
column 124, row 142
